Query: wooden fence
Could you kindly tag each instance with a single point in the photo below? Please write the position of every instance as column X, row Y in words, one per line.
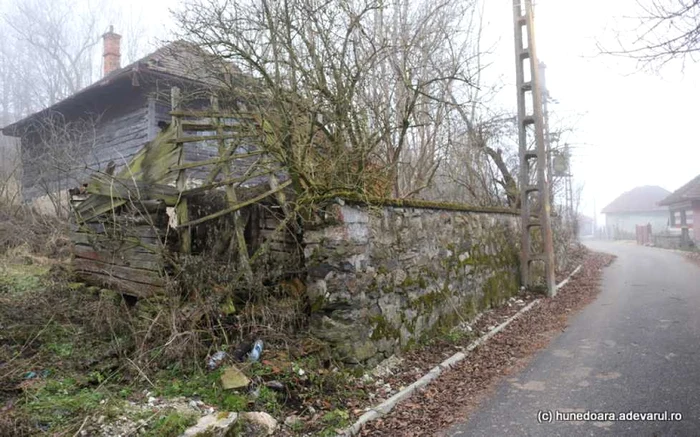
column 130, row 225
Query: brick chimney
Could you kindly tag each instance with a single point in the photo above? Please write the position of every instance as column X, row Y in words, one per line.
column 112, row 52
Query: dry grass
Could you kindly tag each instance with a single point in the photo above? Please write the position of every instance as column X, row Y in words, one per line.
column 35, row 234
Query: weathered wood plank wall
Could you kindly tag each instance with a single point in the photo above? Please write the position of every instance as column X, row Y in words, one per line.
column 116, row 134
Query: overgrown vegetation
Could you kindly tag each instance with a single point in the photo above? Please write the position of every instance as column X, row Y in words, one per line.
column 74, row 357
column 390, row 107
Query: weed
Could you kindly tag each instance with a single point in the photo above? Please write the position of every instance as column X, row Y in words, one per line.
column 205, row 386
column 21, row 278
column 334, row 420
column 60, row 402
column 268, row 401
column 62, row 350
column 232, row 402
column 170, row 425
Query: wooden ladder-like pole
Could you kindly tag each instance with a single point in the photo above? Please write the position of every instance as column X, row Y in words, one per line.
column 181, row 209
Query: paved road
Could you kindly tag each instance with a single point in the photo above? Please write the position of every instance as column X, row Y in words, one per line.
column 636, row 348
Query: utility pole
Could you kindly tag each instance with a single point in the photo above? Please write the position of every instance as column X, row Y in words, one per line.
column 595, row 221
column 545, row 113
column 568, row 185
column 532, row 125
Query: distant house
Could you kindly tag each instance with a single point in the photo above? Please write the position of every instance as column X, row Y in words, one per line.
column 639, row 206
column 108, row 122
column 585, row 226
column 683, row 205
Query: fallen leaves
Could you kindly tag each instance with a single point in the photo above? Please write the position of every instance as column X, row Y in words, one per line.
column 452, row 396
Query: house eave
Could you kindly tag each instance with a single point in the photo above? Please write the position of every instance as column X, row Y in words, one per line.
column 17, row 128
column 136, row 74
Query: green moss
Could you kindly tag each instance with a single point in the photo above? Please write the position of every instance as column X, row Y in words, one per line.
column 76, row 286
column 268, row 401
column 498, row 288
column 334, row 420
column 427, row 302
column 206, row 386
column 383, row 329
column 171, row 424
column 356, row 198
column 318, row 304
column 414, row 281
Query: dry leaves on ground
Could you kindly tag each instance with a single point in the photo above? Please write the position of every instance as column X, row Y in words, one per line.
column 457, row 392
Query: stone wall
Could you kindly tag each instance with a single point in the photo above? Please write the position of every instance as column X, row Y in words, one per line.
column 382, row 278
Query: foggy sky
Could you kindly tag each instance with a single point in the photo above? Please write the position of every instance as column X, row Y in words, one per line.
column 632, row 128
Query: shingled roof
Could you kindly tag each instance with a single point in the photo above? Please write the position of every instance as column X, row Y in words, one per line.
column 178, row 60
column 689, row 191
column 639, row 199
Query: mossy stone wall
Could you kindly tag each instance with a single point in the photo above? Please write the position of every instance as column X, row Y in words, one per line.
column 381, row 278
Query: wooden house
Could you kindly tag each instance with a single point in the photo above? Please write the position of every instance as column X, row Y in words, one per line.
column 639, row 206
column 683, row 205
column 159, row 170
column 108, row 122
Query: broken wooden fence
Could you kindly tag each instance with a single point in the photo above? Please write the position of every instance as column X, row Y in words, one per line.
column 129, row 226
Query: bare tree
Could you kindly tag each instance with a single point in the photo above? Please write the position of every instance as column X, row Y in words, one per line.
column 664, row 30
column 60, row 157
column 62, row 44
column 50, row 49
column 353, row 85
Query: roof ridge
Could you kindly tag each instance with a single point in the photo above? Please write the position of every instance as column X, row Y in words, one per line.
column 643, row 198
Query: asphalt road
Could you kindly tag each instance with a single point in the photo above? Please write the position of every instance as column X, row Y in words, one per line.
column 635, row 349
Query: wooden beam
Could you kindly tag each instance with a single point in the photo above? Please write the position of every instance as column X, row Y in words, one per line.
column 236, row 207
column 123, row 227
column 195, row 125
column 206, row 187
column 238, row 115
column 197, row 139
column 126, row 273
column 126, row 188
column 123, row 286
column 128, row 243
column 123, row 258
column 231, row 196
column 181, row 208
column 95, row 206
column 217, row 160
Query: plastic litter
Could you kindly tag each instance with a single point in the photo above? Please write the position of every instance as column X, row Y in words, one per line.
column 215, row 360
column 275, row 385
column 255, row 353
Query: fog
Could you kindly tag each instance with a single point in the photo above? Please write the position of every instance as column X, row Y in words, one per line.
column 633, row 126
column 627, row 126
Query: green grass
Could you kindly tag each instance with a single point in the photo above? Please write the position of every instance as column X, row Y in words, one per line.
column 57, row 329
column 61, row 402
column 22, row 278
column 170, row 424
column 205, row 386
column 333, row 421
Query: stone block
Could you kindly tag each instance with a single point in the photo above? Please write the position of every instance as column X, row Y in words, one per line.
column 351, row 214
column 382, row 267
column 358, row 233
